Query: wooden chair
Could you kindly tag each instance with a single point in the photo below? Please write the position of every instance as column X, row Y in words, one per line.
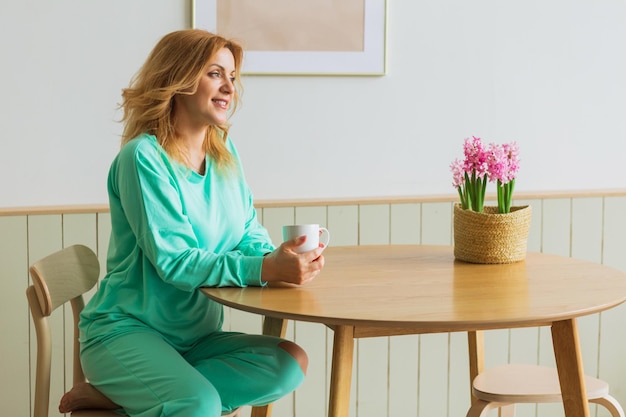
column 504, row 386
column 63, row 276
column 58, row 278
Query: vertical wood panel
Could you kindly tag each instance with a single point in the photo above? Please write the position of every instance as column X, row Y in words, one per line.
column 372, row 376
column 556, row 226
column 614, row 232
column 313, row 215
column 546, row 358
column 372, row 354
column 274, row 219
column 374, row 224
column 405, row 224
column 496, row 347
column 586, row 243
column 458, row 369
column 611, row 366
column 15, row 321
column 45, row 236
column 534, row 234
column 403, row 376
column 587, row 218
column 311, row 398
column 433, row 375
column 524, row 349
column 343, row 223
column 436, row 224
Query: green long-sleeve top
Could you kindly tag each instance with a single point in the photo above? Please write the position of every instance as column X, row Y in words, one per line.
column 172, row 232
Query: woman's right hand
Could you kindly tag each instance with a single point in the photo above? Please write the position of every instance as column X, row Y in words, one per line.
column 286, row 265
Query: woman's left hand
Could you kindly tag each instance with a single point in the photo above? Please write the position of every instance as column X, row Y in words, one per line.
column 286, row 265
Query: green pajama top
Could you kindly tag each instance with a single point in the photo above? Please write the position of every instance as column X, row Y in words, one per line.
column 173, row 231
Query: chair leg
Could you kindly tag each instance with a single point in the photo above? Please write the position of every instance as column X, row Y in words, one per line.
column 610, row 404
column 507, row 410
column 481, row 408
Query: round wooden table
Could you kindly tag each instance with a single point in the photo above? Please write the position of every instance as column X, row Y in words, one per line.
column 367, row 291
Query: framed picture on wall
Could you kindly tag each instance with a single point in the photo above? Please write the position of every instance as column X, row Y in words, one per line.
column 286, row 37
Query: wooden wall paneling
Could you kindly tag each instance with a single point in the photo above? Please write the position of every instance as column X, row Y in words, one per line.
column 275, row 218
column 405, row 225
column 523, row 348
column 372, row 369
column 15, row 321
column 374, row 224
column 436, row 229
column 311, row 399
column 586, row 243
column 458, row 370
column 433, row 374
column 496, row 347
column 404, row 376
column 372, row 376
column 614, row 232
column 424, row 373
column 523, row 345
column 556, row 226
column 587, row 231
column 546, row 358
column 611, row 366
column 45, row 236
column 534, row 234
column 343, row 223
column 313, row 215
column 436, row 225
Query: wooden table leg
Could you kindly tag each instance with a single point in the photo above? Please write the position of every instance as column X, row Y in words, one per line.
column 271, row 327
column 476, row 347
column 569, row 364
column 341, row 371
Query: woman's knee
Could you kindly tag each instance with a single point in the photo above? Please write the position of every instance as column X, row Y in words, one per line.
column 297, row 352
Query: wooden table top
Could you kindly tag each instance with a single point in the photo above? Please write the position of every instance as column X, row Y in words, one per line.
column 424, row 288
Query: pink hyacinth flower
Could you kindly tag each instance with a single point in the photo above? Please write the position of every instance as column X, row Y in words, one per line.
column 475, row 157
column 458, row 173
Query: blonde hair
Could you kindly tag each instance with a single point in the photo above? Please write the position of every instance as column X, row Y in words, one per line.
column 175, row 66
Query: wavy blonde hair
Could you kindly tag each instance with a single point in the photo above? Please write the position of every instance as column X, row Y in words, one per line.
column 175, row 66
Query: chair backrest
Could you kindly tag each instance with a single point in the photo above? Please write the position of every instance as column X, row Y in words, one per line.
column 58, row 278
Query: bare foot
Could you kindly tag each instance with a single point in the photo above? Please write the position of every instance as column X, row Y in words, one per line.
column 84, row 395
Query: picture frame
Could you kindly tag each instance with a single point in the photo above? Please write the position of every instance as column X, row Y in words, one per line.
column 369, row 59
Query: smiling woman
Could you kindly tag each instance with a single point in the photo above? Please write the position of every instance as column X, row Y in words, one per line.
column 182, row 218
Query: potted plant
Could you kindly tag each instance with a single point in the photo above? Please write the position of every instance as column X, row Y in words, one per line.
column 488, row 234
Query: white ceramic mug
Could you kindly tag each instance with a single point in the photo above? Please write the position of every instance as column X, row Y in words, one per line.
column 313, row 236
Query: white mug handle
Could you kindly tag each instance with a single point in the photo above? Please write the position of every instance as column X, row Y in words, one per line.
column 324, row 233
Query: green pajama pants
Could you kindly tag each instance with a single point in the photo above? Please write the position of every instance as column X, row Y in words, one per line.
column 147, row 377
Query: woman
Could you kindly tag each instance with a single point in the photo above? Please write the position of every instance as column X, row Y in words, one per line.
column 183, row 218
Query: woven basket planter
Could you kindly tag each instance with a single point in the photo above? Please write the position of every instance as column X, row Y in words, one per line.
column 490, row 237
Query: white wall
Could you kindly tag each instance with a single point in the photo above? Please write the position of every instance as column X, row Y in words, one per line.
column 547, row 74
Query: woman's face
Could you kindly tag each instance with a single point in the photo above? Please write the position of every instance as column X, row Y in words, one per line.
column 209, row 104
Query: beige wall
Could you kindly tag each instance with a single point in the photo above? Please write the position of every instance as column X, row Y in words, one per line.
column 399, row 376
